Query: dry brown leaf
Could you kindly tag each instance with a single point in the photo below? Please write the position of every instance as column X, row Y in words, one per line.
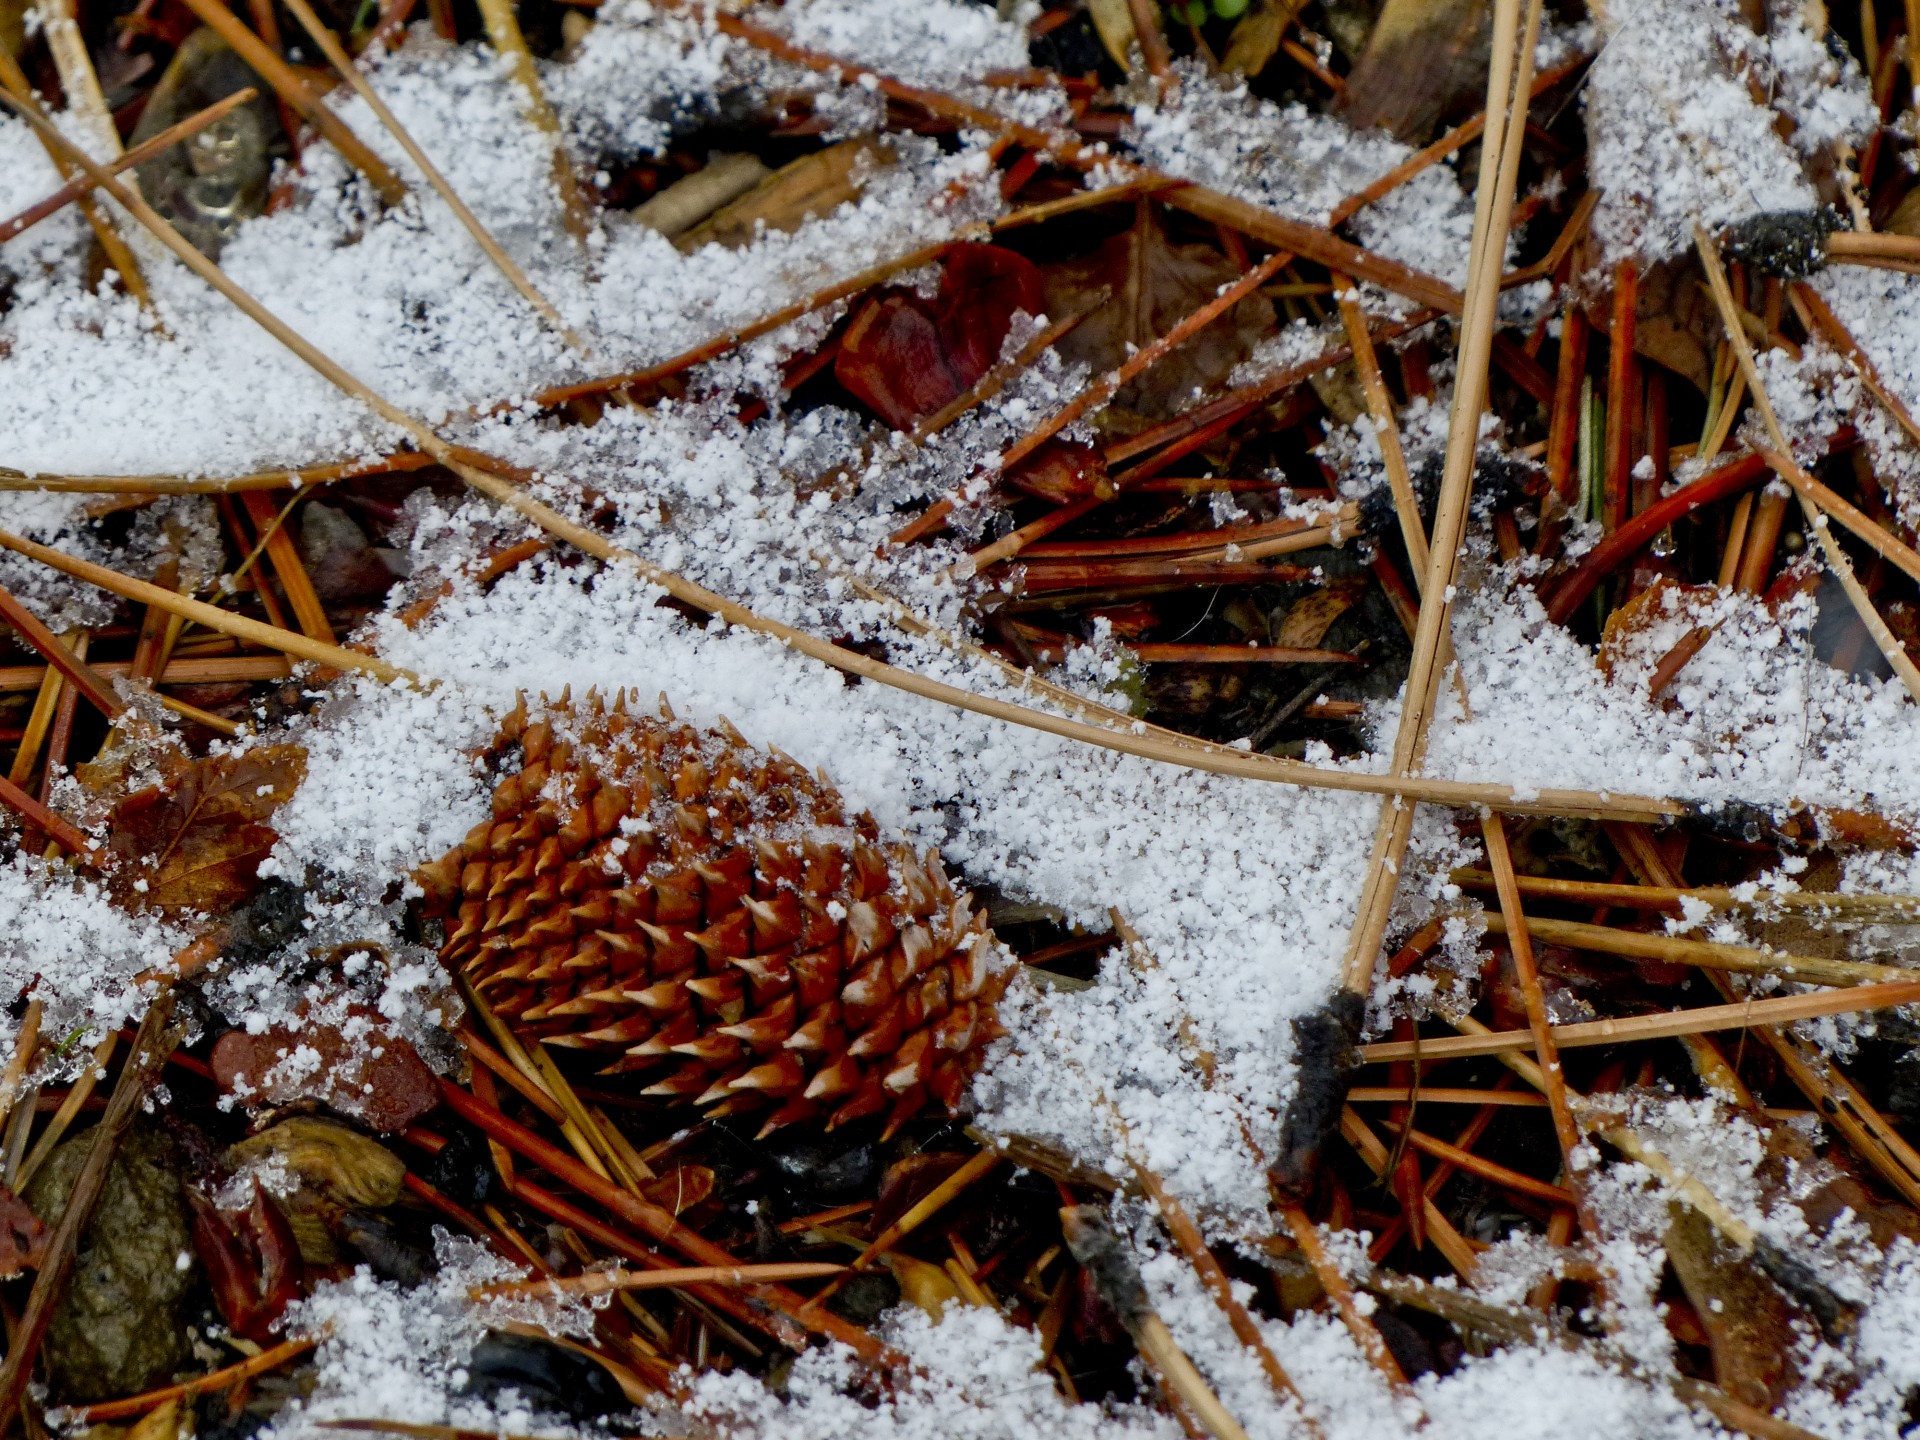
column 195, row 841
column 1153, row 284
column 1113, row 22
column 23, row 1237
column 812, row 185
column 1307, row 623
column 1423, row 59
column 1256, row 39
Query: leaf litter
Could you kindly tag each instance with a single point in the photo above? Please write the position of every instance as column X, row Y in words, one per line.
column 284, row 850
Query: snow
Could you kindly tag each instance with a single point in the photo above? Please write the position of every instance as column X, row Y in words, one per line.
column 1685, row 107
column 1241, row 891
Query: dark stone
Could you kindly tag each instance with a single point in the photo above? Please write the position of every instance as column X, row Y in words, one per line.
column 547, row 1376
column 121, row 1326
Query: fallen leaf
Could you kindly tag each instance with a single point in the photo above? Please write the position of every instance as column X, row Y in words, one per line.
column 1307, row 622
column 1152, row 284
column 23, row 1238
column 374, row 1077
column 1061, row 471
column 1424, row 58
column 1256, row 38
column 196, row 840
column 905, row 356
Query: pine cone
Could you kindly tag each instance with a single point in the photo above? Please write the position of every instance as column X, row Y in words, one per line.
column 680, row 902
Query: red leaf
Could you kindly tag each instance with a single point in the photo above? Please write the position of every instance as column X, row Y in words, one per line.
column 377, row 1078
column 1061, row 471
column 195, row 842
column 905, row 358
column 23, row 1238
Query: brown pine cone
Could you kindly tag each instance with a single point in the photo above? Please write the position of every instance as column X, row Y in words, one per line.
column 683, row 903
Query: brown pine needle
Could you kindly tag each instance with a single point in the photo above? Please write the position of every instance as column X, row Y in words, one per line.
column 1520, row 946
column 606, row 1282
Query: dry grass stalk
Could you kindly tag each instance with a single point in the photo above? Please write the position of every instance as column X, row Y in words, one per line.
column 1706, row 954
column 1837, row 560
column 1493, row 208
column 1666, row 1024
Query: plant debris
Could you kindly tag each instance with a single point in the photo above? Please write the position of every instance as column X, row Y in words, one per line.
column 1324, row 598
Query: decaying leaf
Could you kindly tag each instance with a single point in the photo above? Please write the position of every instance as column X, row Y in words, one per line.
column 815, row 184
column 1422, row 58
column 1310, row 617
column 906, row 356
column 1113, row 22
column 1152, row 285
column 1256, row 38
column 195, row 841
column 23, row 1237
column 370, row 1074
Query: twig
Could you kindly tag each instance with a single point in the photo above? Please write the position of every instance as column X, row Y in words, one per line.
column 607, row 1282
column 151, row 1045
column 1884, row 909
